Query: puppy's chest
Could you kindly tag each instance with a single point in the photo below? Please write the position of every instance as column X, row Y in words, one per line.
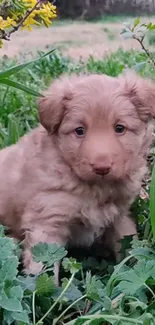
column 98, row 207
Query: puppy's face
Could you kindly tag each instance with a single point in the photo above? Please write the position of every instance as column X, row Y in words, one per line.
column 100, row 124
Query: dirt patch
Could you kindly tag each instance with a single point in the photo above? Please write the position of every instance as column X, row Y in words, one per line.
column 77, row 39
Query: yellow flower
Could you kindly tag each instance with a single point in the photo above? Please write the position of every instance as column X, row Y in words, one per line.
column 15, row 16
column 30, row 21
column 49, row 10
column 9, row 22
column 44, row 11
column 30, row 3
column 1, row 22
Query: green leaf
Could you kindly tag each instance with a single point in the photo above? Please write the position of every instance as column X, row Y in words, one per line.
column 16, row 85
column 92, row 287
column 70, row 264
column 45, row 285
column 136, row 22
column 127, row 35
column 150, row 26
column 27, row 283
column 8, row 271
column 148, row 319
column 10, row 317
column 48, row 253
column 112, row 319
column 72, row 292
column 152, row 201
column 7, row 247
column 17, row 292
column 7, row 73
column 13, row 130
column 7, row 317
column 134, row 279
column 143, row 252
column 20, row 316
column 139, row 66
column 2, row 230
column 11, row 304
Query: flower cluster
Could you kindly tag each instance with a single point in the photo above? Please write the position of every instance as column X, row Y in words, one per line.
column 23, row 14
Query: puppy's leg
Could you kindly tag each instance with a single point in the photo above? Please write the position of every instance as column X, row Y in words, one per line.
column 32, row 238
column 124, row 226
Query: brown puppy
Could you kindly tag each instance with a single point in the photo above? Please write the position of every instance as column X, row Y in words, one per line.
column 76, row 175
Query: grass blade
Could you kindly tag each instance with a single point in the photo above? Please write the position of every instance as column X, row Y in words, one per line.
column 7, row 73
column 16, row 85
column 152, row 202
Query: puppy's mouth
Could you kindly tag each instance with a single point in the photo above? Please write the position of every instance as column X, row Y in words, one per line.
column 112, row 176
column 90, row 176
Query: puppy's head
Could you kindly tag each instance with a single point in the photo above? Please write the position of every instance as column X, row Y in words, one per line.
column 101, row 125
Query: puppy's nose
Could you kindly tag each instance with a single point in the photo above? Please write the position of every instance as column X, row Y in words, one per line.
column 102, row 166
column 102, row 170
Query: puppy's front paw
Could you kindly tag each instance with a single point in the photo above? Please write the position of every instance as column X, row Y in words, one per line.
column 30, row 266
column 33, row 268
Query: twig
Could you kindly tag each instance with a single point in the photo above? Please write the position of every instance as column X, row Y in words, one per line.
column 87, row 307
column 6, row 35
column 140, row 41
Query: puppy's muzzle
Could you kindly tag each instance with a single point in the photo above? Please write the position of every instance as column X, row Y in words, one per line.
column 102, row 166
column 102, row 171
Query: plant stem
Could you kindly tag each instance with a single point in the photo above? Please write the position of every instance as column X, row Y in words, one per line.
column 150, row 235
column 151, row 291
column 33, row 307
column 57, row 300
column 147, row 229
column 108, row 318
column 64, row 312
column 145, row 50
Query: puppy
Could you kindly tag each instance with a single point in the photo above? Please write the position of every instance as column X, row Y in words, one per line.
column 76, row 175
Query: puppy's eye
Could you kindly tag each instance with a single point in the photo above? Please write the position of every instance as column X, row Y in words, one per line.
column 80, row 131
column 119, row 128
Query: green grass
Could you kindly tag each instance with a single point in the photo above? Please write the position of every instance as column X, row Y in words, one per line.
column 107, row 18
column 93, row 291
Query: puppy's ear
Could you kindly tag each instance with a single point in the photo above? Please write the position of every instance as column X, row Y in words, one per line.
column 53, row 106
column 141, row 92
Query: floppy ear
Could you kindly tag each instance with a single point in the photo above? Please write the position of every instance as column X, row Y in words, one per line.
column 52, row 106
column 141, row 92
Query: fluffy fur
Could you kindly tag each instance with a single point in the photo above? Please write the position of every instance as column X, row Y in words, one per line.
column 68, row 189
